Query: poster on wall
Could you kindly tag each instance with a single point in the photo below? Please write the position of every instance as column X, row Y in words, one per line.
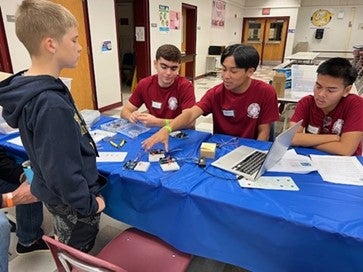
column 174, row 20
column 164, row 18
column 218, row 13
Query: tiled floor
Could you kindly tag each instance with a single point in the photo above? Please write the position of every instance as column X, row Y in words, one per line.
column 42, row 262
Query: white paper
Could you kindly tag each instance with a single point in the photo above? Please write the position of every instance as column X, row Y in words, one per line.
column 292, row 162
column 111, row 156
column 98, row 134
column 16, row 141
column 270, row 183
column 339, row 169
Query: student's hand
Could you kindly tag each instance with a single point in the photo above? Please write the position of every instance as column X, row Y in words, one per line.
column 148, row 120
column 22, row 194
column 101, row 204
column 133, row 118
column 162, row 136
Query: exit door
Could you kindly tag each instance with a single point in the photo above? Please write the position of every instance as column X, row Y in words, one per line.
column 268, row 36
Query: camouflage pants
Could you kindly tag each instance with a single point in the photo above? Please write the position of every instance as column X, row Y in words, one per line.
column 74, row 229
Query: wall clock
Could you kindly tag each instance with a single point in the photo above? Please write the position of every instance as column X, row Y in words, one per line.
column 321, row 17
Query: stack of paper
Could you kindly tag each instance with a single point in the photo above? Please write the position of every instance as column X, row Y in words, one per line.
column 339, row 169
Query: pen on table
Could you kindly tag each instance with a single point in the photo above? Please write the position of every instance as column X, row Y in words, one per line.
column 113, row 144
column 122, row 143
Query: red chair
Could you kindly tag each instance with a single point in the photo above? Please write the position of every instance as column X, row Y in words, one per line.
column 131, row 251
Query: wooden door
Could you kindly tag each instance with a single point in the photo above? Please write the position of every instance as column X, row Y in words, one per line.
column 142, row 48
column 82, row 85
column 253, row 33
column 268, row 36
column 189, row 37
column 275, row 40
column 5, row 61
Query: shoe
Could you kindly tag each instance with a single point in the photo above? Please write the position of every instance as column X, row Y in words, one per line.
column 37, row 246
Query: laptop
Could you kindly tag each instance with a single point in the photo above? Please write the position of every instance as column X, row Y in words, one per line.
column 251, row 163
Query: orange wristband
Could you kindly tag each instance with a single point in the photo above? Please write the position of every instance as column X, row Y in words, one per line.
column 9, row 200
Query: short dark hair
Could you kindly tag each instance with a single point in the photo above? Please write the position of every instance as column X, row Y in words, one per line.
column 245, row 56
column 339, row 68
column 169, row 52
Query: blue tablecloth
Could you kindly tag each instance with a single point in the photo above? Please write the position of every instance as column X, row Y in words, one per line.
column 205, row 212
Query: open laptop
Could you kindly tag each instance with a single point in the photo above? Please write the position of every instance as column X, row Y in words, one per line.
column 250, row 162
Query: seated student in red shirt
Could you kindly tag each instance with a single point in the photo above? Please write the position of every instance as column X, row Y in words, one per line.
column 165, row 95
column 333, row 118
column 241, row 106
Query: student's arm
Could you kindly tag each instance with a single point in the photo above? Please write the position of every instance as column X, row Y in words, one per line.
column 181, row 121
column 311, row 140
column 129, row 112
column 150, row 120
column 264, row 132
column 21, row 195
column 346, row 146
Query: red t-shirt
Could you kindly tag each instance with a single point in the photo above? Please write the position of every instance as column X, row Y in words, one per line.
column 163, row 102
column 240, row 114
column 347, row 116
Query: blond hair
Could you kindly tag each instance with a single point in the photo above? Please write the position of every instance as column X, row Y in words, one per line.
column 37, row 19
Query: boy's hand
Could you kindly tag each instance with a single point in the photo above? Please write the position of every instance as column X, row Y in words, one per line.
column 148, row 120
column 162, row 136
column 133, row 118
column 101, row 204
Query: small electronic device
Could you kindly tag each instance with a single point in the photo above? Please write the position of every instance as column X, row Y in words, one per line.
column 202, row 162
column 168, row 164
column 178, row 134
column 156, row 154
column 137, row 166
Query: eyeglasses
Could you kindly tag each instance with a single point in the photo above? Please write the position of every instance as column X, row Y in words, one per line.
column 326, row 124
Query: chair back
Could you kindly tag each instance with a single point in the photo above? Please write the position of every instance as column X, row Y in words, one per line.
column 70, row 259
column 128, row 61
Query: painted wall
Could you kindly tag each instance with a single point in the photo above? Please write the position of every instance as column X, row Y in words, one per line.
column 19, row 55
column 343, row 31
column 206, row 34
column 106, row 63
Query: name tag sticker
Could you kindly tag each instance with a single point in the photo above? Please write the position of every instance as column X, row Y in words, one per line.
column 313, row 130
column 229, row 113
column 156, row 105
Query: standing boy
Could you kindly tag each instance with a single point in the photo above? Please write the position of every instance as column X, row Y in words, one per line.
column 165, row 95
column 333, row 118
column 241, row 106
column 54, row 135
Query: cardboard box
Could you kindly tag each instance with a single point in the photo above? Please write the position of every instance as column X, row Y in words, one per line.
column 208, row 150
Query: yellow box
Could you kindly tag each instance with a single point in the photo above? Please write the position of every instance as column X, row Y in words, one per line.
column 208, row 150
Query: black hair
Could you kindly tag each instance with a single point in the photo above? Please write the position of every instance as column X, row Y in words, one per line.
column 245, row 56
column 338, row 68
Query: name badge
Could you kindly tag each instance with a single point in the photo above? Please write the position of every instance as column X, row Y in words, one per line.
column 313, row 130
column 156, row 105
column 229, row 113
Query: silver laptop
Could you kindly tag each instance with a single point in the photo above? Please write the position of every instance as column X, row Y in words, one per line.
column 250, row 162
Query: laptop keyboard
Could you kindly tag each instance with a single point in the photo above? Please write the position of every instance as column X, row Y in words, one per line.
column 251, row 163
